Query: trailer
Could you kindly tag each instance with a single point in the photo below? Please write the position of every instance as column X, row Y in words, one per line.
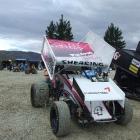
column 77, row 85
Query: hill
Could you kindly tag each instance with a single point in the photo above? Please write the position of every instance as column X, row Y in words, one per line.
column 6, row 55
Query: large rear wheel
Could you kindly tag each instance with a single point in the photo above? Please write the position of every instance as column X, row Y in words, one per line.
column 39, row 94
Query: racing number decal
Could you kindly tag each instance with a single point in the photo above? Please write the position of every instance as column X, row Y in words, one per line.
column 98, row 110
column 116, row 55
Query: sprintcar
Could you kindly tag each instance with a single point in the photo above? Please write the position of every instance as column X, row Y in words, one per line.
column 77, row 85
column 127, row 74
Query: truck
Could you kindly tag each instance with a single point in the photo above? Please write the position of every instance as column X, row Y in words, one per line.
column 77, row 84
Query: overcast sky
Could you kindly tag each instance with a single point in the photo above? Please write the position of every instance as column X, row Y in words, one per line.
column 23, row 22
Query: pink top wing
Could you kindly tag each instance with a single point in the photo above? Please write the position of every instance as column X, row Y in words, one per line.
column 67, row 48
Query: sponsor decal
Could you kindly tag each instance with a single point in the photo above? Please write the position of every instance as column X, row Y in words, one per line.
column 69, row 48
column 133, row 69
column 136, row 63
column 82, row 63
column 82, row 54
column 100, row 92
column 106, row 91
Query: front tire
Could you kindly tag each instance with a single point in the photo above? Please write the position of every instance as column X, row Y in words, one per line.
column 60, row 118
column 127, row 116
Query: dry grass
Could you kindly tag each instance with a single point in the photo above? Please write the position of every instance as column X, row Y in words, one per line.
column 19, row 121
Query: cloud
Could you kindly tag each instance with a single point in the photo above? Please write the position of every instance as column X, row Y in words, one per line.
column 24, row 45
column 26, row 21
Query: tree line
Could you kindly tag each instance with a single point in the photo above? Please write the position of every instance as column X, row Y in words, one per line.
column 62, row 30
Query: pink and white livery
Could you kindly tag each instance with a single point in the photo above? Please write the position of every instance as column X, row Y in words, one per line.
column 78, row 84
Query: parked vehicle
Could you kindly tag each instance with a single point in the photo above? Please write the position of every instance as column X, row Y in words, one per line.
column 77, row 85
column 128, row 71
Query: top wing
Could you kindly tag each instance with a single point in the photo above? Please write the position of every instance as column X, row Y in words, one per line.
column 91, row 52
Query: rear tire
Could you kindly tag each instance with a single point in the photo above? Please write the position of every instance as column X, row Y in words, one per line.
column 39, row 94
column 60, row 118
column 127, row 116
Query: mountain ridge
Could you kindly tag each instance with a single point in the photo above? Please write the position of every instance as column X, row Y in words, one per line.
column 12, row 55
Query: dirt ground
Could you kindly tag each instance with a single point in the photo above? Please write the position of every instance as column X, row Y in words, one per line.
column 20, row 121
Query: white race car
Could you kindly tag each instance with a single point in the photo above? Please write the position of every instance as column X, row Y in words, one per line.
column 78, row 86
